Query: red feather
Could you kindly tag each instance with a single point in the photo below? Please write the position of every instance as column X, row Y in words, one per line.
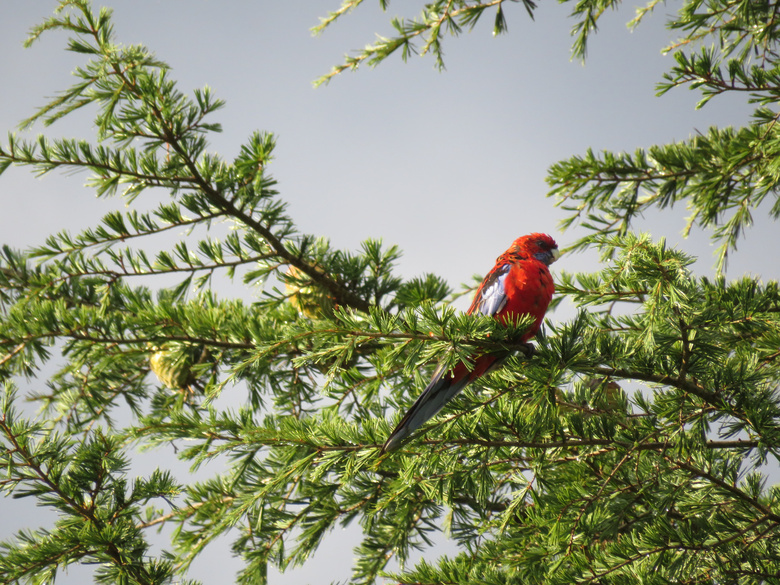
column 519, row 284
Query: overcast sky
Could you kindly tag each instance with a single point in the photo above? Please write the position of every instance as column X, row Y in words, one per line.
column 450, row 166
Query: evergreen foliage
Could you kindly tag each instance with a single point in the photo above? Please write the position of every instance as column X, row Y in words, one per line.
column 631, row 447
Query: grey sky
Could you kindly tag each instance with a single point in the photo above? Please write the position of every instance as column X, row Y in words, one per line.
column 450, row 166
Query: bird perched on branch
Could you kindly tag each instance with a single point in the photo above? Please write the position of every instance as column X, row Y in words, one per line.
column 520, row 284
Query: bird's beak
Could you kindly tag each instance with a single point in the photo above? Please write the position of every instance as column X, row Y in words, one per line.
column 556, row 253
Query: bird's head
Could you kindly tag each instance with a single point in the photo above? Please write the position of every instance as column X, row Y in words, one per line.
column 540, row 246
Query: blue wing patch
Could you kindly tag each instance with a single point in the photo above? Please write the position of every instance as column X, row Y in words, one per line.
column 493, row 297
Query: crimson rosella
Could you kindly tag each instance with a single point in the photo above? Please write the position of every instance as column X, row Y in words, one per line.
column 519, row 284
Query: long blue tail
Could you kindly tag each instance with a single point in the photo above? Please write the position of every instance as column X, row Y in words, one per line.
column 441, row 389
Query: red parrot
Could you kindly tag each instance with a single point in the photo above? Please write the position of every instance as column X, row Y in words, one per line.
column 519, row 284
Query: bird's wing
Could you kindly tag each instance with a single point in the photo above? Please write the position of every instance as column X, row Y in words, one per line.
column 491, row 297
